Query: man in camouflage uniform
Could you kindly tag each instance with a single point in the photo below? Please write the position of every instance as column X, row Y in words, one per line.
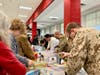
column 63, row 46
column 85, row 51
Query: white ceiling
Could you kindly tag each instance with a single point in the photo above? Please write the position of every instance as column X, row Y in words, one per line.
column 56, row 9
column 11, row 8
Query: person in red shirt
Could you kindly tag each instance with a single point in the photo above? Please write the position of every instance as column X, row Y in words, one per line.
column 9, row 64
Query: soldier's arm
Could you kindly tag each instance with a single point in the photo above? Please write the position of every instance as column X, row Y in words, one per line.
column 78, row 54
column 63, row 42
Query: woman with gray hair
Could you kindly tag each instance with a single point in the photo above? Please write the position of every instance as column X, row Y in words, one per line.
column 9, row 65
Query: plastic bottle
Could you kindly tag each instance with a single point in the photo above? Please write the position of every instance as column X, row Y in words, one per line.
column 51, row 73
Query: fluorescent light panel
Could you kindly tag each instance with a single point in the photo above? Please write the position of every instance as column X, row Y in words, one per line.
column 1, row 4
column 22, row 15
column 53, row 17
column 26, row 8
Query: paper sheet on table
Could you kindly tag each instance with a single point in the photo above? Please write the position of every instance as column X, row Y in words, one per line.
column 52, row 71
column 47, row 53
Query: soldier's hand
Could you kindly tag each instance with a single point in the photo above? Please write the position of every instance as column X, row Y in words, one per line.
column 64, row 54
column 56, row 51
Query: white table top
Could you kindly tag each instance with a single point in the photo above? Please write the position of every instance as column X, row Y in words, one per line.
column 52, row 71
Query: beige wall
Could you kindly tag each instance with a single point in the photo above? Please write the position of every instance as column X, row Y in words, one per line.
column 91, row 19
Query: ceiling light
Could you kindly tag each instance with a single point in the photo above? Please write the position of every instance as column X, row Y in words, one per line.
column 26, row 8
column 53, row 18
column 22, row 15
column 1, row 4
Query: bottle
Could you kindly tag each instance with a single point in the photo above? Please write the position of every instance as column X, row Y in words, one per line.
column 51, row 73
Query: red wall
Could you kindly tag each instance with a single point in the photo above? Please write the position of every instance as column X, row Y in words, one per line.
column 72, row 12
column 34, row 29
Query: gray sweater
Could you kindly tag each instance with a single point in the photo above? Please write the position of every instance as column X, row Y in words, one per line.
column 14, row 47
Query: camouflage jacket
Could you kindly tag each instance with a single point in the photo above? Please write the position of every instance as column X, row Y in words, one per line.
column 85, row 52
column 63, row 44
